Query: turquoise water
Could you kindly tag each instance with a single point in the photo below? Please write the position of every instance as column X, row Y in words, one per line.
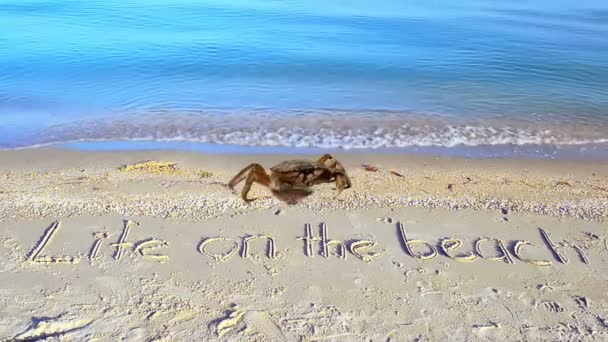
column 305, row 74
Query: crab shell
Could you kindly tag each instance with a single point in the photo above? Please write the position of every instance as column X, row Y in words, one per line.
column 297, row 174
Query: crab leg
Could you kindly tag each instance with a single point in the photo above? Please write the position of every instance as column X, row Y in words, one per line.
column 342, row 180
column 239, row 177
column 252, row 173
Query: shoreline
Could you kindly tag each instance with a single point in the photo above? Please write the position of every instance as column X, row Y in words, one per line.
column 574, row 152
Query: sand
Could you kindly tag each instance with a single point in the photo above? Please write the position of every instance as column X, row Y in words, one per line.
column 100, row 246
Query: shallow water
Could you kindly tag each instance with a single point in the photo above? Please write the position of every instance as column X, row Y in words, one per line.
column 339, row 74
column 594, row 152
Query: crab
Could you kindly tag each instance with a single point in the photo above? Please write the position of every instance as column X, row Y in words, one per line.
column 291, row 180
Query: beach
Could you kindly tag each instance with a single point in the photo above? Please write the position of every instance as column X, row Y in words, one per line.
column 475, row 135
column 153, row 246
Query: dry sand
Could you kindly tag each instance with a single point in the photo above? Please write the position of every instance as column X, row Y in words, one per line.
column 94, row 246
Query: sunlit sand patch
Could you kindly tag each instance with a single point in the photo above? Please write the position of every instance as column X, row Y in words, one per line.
column 203, row 173
column 160, row 168
column 229, row 322
column 13, row 254
column 314, row 322
column 486, row 331
column 48, row 328
column 265, row 324
column 154, row 167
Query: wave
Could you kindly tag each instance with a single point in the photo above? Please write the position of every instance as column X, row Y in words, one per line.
column 329, row 129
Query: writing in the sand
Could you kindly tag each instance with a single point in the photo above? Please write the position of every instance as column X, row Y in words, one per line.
column 222, row 249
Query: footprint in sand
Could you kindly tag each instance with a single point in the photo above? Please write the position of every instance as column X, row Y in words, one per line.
column 551, row 306
column 8, row 254
column 113, row 291
column 135, row 334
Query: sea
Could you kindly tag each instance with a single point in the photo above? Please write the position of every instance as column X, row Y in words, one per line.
column 481, row 78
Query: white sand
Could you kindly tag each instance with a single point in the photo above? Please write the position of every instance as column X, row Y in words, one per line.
column 175, row 279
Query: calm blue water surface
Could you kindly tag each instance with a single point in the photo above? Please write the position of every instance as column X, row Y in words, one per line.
column 382, row 73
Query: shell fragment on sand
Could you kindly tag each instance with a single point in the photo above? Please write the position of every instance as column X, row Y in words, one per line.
column 370, row 168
